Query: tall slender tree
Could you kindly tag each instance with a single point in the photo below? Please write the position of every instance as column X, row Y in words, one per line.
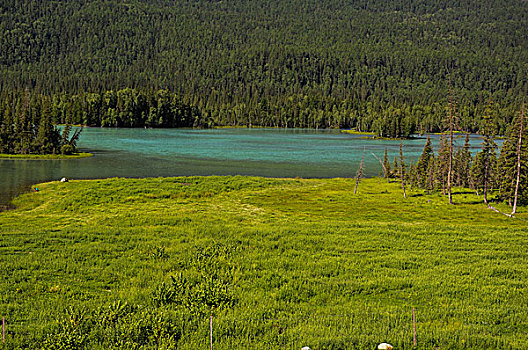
column 402, row 171
column 485, row 161
column 359, row 172
column 451, row 127
column 513, row 164
column 519, row 150
column 462, row 161
column 424, row 162
column 386, row 166
column 442, row 165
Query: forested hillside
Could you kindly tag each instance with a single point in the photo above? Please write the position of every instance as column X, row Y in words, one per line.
column 372, row 65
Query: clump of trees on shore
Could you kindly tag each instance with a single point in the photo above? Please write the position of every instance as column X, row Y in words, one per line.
column 27, row 127
column 505, row 170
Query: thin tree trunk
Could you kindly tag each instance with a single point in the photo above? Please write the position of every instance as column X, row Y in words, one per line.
column 402, row 174
column 485, row 189
column 359, row 172
column 518, row 162
column 451, row 117
column 385, row 172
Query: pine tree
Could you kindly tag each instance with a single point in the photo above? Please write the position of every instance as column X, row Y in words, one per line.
column 6, row 125
column 413, row 175
column 462, row 166
column 431, row 175
column 47, row 140
column 451, row 127
column 23, row 127
column 442, row 165
column 513, row 163
column 483, row 169
column 7, row 131
column 423, row 164
column 395, row 173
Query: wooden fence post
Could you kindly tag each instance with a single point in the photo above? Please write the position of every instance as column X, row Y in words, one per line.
column 211, row 330
column 414, row 328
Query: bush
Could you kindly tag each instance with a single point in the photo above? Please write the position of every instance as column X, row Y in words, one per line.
column 67, row 149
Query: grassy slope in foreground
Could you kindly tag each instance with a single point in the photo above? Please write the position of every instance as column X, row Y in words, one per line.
column 284, row 263
column 45, row 156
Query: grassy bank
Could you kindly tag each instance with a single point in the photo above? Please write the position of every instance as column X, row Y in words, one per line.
column 355, row 132
column 279, row 263
column 45, row 156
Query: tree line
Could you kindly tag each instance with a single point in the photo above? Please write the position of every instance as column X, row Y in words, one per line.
column 161, row 108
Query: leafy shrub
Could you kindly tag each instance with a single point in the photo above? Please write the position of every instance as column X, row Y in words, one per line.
column 71, row 333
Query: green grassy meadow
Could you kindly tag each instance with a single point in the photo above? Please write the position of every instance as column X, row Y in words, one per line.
column 279, row 263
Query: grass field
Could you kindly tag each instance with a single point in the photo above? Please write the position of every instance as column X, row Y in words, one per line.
column 279, row 263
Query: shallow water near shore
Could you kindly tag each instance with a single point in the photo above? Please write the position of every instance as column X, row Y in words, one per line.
column 240, row 151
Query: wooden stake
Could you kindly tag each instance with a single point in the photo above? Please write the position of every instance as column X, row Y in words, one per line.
column 414, row 328
column 211, row 330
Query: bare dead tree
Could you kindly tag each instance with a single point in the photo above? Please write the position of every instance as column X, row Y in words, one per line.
column 518, row 162
column 359, row 172
column 383, row 166
column 402, row 171
column 451, row 122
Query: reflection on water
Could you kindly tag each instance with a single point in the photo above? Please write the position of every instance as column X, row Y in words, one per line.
column 175, row 152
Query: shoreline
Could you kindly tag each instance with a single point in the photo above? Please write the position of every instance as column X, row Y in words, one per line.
column 4, row 156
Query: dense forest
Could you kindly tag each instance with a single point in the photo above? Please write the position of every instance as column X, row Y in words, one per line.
column 370, row 65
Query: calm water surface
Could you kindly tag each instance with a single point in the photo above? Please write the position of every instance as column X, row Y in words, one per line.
column 175, row 152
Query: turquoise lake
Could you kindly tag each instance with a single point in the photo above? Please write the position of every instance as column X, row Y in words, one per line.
column 178, row 152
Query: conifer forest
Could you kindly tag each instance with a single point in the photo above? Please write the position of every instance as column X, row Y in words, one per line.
column 367, row 65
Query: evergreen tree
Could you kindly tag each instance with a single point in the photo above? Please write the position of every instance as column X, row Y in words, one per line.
column 462, row 166
column 395, row 173
column 450, row 151
column 431, row 168
column 442, row 165
column 6, row 129
column 513, row 163
column 23, row 128
column 47, row 138
column 424, row 163
column 413, row 175
column 483, row 169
